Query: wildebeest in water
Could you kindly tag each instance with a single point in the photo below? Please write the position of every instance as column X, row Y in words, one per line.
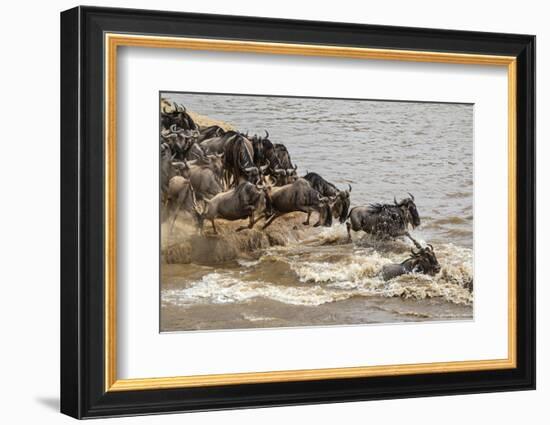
column 422, row 261
column 385, row 221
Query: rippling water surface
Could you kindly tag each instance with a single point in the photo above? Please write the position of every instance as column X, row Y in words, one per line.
column 383, row 149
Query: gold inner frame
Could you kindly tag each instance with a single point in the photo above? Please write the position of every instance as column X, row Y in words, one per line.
column 113, row 41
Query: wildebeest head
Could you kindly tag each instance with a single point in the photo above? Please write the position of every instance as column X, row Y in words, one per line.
column 252, row 175
column 284, row 176
column 408, row 207
column 423, row 261
column 341, row 205
column 181, row 168
column 177, row 116
column 264, row 151
column 215, row 162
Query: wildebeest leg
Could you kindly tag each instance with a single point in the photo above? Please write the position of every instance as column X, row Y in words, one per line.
column 175, row 216
column 348, row 226
column 307, row 220
column 413, row 240
column 176, row 212
column 270, row 220
column 318, row 221
column 214, row 226
column 250, row 222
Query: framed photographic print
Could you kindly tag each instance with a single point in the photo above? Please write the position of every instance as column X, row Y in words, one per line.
column 261, row 212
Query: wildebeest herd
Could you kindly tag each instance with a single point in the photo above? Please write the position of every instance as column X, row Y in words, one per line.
column 210, row 173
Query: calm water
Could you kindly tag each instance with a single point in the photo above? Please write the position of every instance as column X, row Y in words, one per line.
column 383, row 149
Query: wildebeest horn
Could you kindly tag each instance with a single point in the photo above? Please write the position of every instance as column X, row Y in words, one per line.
column 411, row 195
column 180, row 163
column 174, row 128
column 164, row 109
column 266, row 134
column 295, row 167
column 431, row 247
column 249, row 169
column 395, row 201
column 349, row 185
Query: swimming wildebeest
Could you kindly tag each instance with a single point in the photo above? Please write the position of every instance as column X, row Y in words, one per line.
column 385, row 220
column 180, row 196
column 340, row 208
column 298, row 196
column 421, row 261
column 178, row 116
column 238, row 203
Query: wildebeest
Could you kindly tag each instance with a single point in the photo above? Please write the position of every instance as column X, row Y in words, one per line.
column 421, row 261
column 180, row 196
column 384, row 220
column 178, row 116
column 210, row 132
column 298, row 196
column 341, row 205
column 238, row 203
column 265, row 157
column 239, row 161
column 205, row 178
column 285, row 162
column 216, row 145
column 184, row 144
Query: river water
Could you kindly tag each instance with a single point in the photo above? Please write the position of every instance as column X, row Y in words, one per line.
column 383, row 149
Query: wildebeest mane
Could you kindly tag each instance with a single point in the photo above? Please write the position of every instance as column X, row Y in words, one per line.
column 377, row 208
column 322, row 186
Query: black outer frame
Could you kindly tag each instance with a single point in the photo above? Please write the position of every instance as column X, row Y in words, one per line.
column 82, row 206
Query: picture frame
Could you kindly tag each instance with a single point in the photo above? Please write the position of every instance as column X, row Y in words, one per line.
column 90, row 40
